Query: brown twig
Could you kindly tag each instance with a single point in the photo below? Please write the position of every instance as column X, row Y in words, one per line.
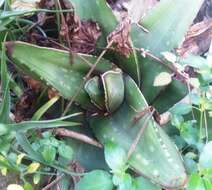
column 68, row 133
column 138, row 137
column 54, row 182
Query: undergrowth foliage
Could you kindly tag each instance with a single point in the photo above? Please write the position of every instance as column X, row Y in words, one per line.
column 94, row 101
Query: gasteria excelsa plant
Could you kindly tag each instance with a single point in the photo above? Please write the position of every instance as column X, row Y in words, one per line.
column 113, row 90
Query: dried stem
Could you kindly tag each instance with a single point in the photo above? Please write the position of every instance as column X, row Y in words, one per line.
column 53, row 182
column 72, row 134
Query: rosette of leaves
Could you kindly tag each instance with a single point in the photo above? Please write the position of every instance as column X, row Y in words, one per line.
column 117, row 96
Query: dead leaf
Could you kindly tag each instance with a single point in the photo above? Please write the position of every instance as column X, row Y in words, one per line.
column 197, row 40
column 120, row 38
column 76, row 167
column 162, row 79
column 52, row 93
column 84, row 39
column 24, row 5
column 33, row 84
column 24, row 107
column 83, row 35
column 47, row 4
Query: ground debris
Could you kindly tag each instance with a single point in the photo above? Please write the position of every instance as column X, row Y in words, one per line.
column 83, row 35
column 197, row 40
column 24, row 107
column 120, row 37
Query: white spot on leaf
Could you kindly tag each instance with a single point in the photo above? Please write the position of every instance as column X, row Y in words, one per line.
column 162, row 79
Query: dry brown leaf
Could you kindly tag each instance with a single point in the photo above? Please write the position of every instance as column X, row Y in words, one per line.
column 120, row 38
column 76, row 167
column 33, row 84
column 82, row 35
column 52, row 93
column 83, row 40
column 197, row 40
column 24, row 106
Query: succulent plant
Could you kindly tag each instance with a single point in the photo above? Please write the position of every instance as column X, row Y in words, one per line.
column 120, row 87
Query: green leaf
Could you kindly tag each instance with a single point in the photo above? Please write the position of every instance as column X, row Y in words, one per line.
column 49, row 153
column 33, row 167
column 140, row 183
column 113, row 96
column 197, row 62
column 155, row 153
column 125, row 183
column 189, row 133
column 5, row 90
column 164, row 19
column 115, row 157
column 70, row 75
column 28, row 186
column 190, row 164
column 36, row 156
column 98, row 10
column 166, row 31
column 195, row 182
column 95, row 180
column 208, row 184
column 38, row 114
column 93, row 88
column 27, row 125
column 181, row 109
column 65, row 151
column 24, row 143
column 205, row 159
column 36, row 178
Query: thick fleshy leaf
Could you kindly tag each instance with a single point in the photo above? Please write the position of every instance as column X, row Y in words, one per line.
column 164, row 19
column 98, row 10
column 93, row 88
column 95, row 180
column 155, row 155
column 140, row 183
column 53, row 67
column 113, row 84
column 86, row 154
column 166, row 30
